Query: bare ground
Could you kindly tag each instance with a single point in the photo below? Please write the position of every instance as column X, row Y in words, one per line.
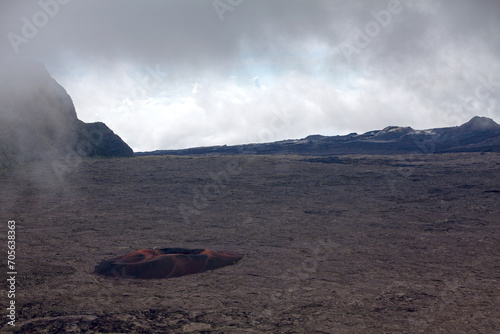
column 362, row 244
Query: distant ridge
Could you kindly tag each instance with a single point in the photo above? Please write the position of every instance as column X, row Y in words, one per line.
column 480, row 134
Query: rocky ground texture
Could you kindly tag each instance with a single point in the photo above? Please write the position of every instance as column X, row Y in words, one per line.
column 352, row 244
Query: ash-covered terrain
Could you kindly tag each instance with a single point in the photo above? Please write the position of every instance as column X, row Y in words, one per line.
column 363, row 244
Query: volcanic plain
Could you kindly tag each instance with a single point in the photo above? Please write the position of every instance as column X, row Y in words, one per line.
column 345, row 244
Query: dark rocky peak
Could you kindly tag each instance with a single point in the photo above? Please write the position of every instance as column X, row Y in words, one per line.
column 479, row 123
column 392, row 133
column 38, row 120
column 314, row 137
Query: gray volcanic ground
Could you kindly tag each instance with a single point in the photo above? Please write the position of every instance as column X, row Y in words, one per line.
column 362, row 244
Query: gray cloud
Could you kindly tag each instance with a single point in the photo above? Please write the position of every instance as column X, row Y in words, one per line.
column 354, row 65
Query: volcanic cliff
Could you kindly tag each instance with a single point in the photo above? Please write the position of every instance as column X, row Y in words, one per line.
column 38, row 120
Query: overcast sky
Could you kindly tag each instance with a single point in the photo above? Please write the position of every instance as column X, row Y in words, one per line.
column 177, row 73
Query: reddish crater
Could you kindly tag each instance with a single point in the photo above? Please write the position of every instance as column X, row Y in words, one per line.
column 165, row 263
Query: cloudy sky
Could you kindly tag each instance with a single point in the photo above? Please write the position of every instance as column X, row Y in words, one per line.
column 176, row 73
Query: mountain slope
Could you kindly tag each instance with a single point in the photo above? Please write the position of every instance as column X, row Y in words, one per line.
column 478, row 135
column 38, row 120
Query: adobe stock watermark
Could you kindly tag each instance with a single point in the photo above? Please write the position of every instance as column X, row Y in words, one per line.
column 295, row 279
column 210, row 191
column 151, row 80
column 223, row 6
column 362, row 38
column 485, row 92
column 84, row 148
column 31, row 26
column 11, row 272
column 278, row 122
